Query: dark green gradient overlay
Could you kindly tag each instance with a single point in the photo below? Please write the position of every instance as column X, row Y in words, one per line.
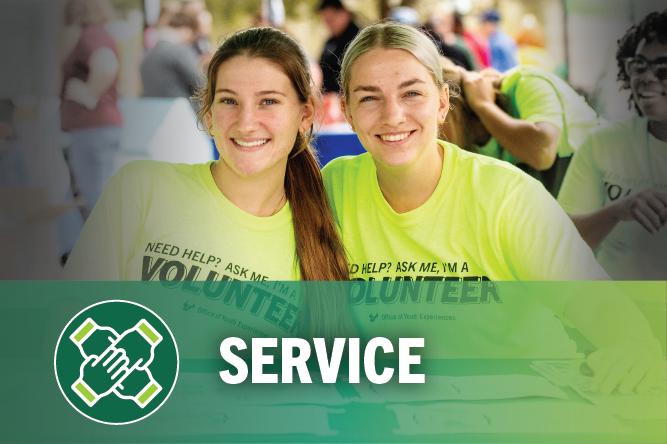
column 32, row 408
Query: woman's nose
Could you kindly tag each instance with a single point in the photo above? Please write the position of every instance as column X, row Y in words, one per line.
column 247, row 119
column 393, row 113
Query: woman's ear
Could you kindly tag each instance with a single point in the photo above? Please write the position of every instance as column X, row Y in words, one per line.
column 346, row 111
column 208, row 121
column 443, row 107
column 308, row 117
column 208, row 117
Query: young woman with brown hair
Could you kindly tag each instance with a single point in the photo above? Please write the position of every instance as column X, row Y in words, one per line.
column 259, row 213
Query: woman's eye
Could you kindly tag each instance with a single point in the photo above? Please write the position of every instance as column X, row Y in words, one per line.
column 269, row 102
column 226, row 101
column 413, row 94
column 366, row 99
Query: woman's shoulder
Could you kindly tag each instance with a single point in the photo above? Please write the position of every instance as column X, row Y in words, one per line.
column 346, row 166
column 615, row 138
column 157, row 173
column 618, row 131
column 480, row 167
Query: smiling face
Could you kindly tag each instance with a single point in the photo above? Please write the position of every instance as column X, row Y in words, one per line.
column 255, row 116
column 648, row 91
column 395, row 106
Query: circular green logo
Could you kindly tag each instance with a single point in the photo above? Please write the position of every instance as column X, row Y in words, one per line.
column 116, row 362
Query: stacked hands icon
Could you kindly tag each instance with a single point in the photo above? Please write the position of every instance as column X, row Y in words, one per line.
column 116, row 363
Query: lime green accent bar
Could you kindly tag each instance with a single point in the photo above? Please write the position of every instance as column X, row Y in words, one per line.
column 83, row 332
column 147, row 394
column 600, row 8
column 84, row 391
column 148, row 332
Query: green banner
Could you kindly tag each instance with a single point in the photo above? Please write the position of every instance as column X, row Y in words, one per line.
column 501, row 362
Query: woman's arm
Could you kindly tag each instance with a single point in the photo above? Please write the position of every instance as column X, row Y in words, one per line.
column 649, row 208
column 111, row 233
column 533, row 143
column 629, row 355
column 103, row 68
column 541, row 244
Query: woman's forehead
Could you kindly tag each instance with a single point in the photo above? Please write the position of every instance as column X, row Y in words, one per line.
column 652, row 50
column 385, row 63
column 255, row 71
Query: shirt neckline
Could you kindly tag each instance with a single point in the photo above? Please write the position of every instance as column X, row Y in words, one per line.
column 271, row 223
column 427, row 209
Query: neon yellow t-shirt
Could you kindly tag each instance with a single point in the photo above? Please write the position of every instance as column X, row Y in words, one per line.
column 616, row 161
column 541, row 96
column 486, row 220
column 157, row 221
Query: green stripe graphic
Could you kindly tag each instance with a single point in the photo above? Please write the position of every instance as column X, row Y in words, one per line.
column 147, row 394
column 83, row 332
column 84, row 391
column 148, row 332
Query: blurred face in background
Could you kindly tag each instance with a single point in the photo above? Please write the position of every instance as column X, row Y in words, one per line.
column 336, row 20
column 488, row 28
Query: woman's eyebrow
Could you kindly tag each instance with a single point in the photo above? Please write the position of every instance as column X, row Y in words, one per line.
column 224, row 90
column 376, row 89
column 264, row 93
column 410, row 83
column 661, row 59
column 367, row 88
column 260, row 93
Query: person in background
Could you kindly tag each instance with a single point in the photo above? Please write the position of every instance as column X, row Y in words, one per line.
column 414, row 199
column 88, row 107
column 531, row 41
column 197, row 9
column 171, row 68
column 339, row 22
column 442, row 21
column 477, row 44
column 404, row 14
column 616, row 188
column 526, row 116
column 167, row 10
column 503, row 49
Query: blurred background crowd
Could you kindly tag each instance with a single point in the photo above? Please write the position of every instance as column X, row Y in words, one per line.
column 143, row 59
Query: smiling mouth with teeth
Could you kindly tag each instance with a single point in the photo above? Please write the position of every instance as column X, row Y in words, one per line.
column 394, row 137
column 249, row 144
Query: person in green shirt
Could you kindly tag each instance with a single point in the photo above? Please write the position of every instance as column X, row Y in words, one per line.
column 417, row 209
column 259, row 213
column 526, row 116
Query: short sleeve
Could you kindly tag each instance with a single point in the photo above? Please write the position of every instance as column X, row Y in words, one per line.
column 537, row 101
column 332, row 176
column 540, row 242
column 109, row 237
column 94, row 38
column 583, row 190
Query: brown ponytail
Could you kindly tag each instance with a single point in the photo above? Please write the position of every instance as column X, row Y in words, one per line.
column 319, row 251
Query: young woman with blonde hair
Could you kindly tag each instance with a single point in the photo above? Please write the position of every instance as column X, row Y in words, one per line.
column 418, row 209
